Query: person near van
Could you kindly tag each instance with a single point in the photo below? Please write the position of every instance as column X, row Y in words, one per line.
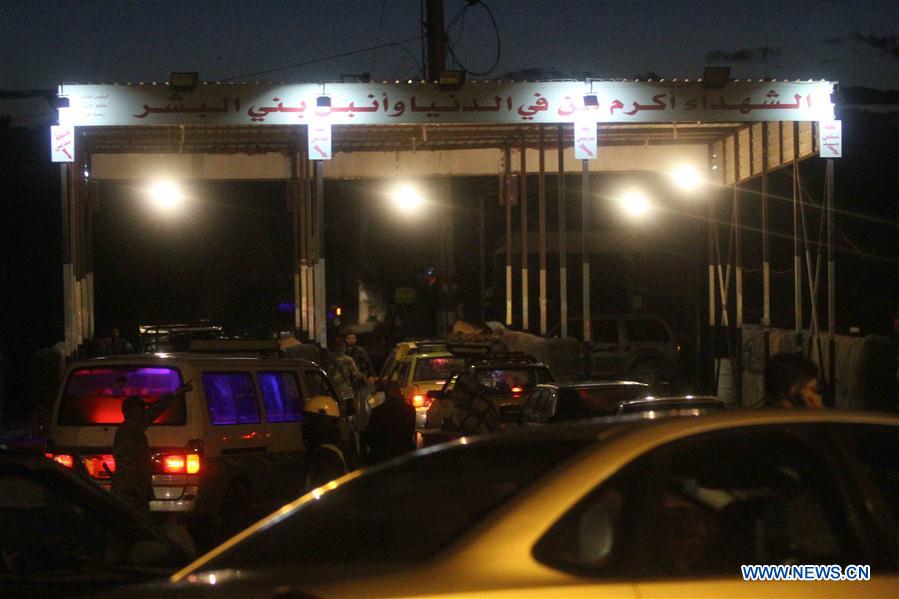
column 132, row 479
column 792, row 381
column 391, row 426
column 325, row 449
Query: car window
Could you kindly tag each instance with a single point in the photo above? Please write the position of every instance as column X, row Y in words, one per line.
column 400, row 372
column 876, row 448
column 706, row 505
column 605, row 331
column 503, row 380
column 95, row 395
column 437, row 369
column 601, row 400
column 319, row 384
column 50, row 528
column 646, row 331
column 387, row 515
column 281, row 396
column 230, row 397
column 530, row 411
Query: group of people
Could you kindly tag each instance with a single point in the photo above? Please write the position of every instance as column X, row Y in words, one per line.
column 388, row 431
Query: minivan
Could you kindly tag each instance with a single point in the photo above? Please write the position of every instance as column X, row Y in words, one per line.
column 231, row 449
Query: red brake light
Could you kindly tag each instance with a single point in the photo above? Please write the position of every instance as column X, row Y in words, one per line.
column 418, row 401
column 62, row 458
column 179, row 463
column 173, row 464
column 517, row 389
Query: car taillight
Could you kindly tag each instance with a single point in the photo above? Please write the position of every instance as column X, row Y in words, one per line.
column 517, row 389
column 62, row 458
column 180, row 463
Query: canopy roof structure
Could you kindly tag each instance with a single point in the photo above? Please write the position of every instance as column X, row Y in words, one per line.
column 730, row 131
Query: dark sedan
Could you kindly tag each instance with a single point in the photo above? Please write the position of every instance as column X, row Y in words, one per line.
column 61, row 534
column 559, row 402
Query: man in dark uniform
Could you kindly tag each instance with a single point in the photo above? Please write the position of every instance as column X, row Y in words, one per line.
column 391, row 426
column 131, row 450
column 359, row 355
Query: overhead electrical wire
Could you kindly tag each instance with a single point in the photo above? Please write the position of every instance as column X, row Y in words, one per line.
column 374, row 53
column 449, row 45
column 397, row 44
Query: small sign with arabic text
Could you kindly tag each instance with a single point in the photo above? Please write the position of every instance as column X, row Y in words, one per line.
column 62, row 143
column 585, row 136
column 319, row 141
column 830, row 139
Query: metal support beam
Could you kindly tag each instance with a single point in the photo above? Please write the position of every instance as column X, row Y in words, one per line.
column 294, row 202
column 766, row 259
column 797, row 261
column 541, row 200
column 563, row 250
column 305, row 255
column 68, row 273
column 507, row 200
column 831, row 288
column 321, row 331
column 585, row 247
column 482, row 284
column 523, row 212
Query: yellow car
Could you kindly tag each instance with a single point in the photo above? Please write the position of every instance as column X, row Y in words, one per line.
column 681, row 507
column 419, row 373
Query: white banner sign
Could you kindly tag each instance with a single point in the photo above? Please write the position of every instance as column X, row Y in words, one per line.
column 830, row 139
column 475, row 102
column 62, row 143
column 319, row 140
column 585, row 136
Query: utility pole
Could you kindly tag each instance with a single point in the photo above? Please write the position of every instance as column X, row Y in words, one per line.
column 436, row 36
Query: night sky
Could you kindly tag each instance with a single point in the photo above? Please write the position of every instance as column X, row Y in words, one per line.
column 47, row 42
column 44, row 43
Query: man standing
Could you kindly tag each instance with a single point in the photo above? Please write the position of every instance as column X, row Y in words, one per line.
column 391, row 426
column 358, row 353
column 131, row 481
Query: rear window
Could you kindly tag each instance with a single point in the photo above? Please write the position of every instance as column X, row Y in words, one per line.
column 646, row 331
column 281, row 396
column 598, row 401
column 511, row 380
column 388, row 515
column 93, row 396
column 231, row 398
column 437, row 369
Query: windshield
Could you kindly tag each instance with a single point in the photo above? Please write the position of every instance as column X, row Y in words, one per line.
column 511, row 380
column 437, row 369
column 95, row 395
column 388, row 515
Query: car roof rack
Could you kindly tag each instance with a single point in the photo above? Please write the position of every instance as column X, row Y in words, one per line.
column 260, row 346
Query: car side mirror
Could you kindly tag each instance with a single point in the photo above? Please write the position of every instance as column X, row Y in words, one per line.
column 434, row 395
